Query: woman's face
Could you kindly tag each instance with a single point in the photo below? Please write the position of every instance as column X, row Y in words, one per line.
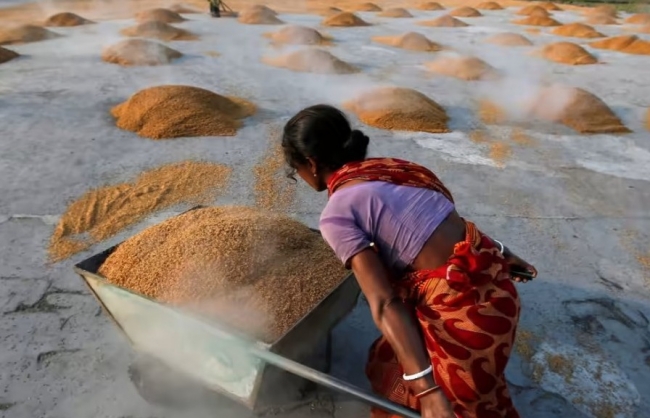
column 310, row 175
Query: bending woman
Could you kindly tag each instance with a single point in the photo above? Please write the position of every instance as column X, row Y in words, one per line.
column 440, row 291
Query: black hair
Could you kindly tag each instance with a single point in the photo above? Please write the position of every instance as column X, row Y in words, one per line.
column 323, row 133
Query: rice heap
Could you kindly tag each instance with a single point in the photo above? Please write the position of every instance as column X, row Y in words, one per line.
column 489, row 5
column 396, row 12
column 644, row 29
column 25, row 33
column 367, row 7
column 399, row 109
column 312, row 60
column 639, row 19
column 549, row 6
column 103, row 212
column 577, row 30
column 297, row 35
column 260, row 8
column 445, row 21
column 260, row 15
column 465, row 12
column 629, row 44
column 601, row 20
column 604, row 9
column 463, row 67
column 158, row 30
column 430, row 6
column 533, row 11
column 7, row 55
column 647, row 120
column 183, row 9
column 412, row 41
column 508, row 39
column 345, row 19
column 174, row 111
column 66, row 19
column 231, row 263
column 132, row 52
column 537, row 21
column 331, row 11
column 567, row 53
column 159, row 14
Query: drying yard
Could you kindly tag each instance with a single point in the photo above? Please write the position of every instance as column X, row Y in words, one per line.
column 116, row 115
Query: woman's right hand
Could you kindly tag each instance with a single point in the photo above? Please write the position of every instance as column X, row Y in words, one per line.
column 436, row 405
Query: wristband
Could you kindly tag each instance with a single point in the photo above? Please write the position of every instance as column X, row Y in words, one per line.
column 500, row 245
column 416, row 376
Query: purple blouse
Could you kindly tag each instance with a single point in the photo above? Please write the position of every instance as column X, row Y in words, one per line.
column 397, row 219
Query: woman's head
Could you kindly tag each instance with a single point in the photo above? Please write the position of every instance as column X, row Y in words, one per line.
column 317, row 141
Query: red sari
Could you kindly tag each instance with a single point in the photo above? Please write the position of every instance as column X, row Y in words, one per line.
column 467, row 309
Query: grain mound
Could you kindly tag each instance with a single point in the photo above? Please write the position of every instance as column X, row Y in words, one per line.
column 345, row 19
column 158, row 30
column 66, row 19
column 647, row 120
column 219, row 259
column 577, row 30
column 139, row 52
column 399, row 109
column 549, row 6
column 533, row 11
column 412, row 41
column 605, row 9
column 489, row 5
column 508, row 39
column 537, row 21
column 312, row 60
column 601, row 20
column 430, row 6
column 567, row 53
column 396, row 12
column 465, row 12
column 464, row 68
column 181, row 111
column 25, row 33
column 331, row 11
column 7, row 55
column 639, row 19
column 159, row 14
column 183, row 9
column 103, row 212
column 260, row 8
column 445, row 21
column 583, row 112
column 367, row 7
column 628, row 44
column 258, row 17
column 297, row 35
column 643, row 29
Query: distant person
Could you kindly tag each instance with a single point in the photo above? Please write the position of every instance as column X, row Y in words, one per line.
column 440, row 291
column 214, row 8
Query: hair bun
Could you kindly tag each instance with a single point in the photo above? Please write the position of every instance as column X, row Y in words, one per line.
column 356, row 145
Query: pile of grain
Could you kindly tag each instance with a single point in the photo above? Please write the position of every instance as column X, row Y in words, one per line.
column 183, row 9
column 628, row 44
column 331, row 11
column 273, row 191
column 103, row 212
column 601, row 20
column 643, row 29
column 345, row 19
column 181, row 111
column 311, row 60
column 24, row 34
column 297, row 35
column 465, row 12
column 508, row 39
column 132, row 52
column 158, row 30
column 399, row 109
column 533, row 11
column 639, row 19
column 260, row 8
column 259, row 16
column 66, row 19
column 549, row 6
column 412, row 41
column 577, row 30
column 231, row 260
column 605, row 9
column 7, row 55
column 567, row 53
column 647, row 120
column 396, row 12
column 430, row 6
column 445, row 21
column 366, row 7
column 537, row 21
column 463, row 67
column 159, row 14
column 489, row 5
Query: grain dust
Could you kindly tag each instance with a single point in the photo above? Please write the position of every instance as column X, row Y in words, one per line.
column 23, row 34
column 639, row 19
column 577, row 30
column 7, row 55
column 264, row 263
column 430, row 6
column 601, row 20
column 566, row 53
column 183, row 9
column 411, row 41
column 489, row 5
column 344, row 19
column 537, row 21
column 154, row 29
column 259, row 16
column 396, row 12
column 533, row 11
column 159, row 14
column 508, row 39
column 273, row 191
column 463, row 67
column 445, row 21
column 297, row 35
column 366, row 7
column 139, row 52
column 311, row 60
column 103, row 212
column 66, row 19
column 173, row 111
column 465, row 11
column 629, row 44
column 399, row 109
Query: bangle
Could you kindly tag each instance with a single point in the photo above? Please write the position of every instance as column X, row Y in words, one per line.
column 427, row 391
column 500, row 245
column 416, row 376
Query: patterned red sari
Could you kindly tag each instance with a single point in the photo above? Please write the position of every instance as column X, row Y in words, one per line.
column 468, row 311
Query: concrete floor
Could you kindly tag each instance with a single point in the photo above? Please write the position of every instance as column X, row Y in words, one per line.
column 575, row 206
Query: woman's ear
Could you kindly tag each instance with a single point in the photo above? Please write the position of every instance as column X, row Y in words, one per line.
column 313, row 167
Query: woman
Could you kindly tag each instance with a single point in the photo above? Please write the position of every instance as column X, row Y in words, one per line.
column 440, row 291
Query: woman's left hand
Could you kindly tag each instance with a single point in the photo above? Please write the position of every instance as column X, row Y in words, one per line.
column 521, row 271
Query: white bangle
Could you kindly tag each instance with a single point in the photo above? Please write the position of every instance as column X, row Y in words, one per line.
column 500, row 245
column 416, row 376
